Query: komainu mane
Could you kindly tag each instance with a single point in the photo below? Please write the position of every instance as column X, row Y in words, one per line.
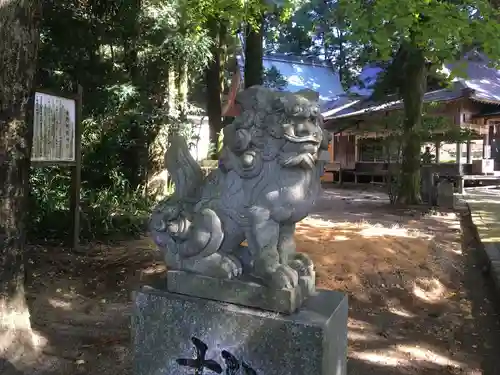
column 268, row 180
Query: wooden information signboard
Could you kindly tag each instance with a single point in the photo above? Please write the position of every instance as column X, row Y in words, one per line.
column 57, row 141
column 54, row 128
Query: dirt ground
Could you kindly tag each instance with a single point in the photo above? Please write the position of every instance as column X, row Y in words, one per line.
column 418, row 303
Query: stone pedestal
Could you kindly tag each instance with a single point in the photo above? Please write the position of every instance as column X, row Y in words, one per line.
column 241, row 292
column 175, row 334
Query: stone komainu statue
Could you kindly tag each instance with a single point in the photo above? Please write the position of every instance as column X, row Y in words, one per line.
column 268, row 180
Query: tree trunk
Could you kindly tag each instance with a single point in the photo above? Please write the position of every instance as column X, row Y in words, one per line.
column 342, row 59
column 181, row 77
column 19, row 37
column 415, row 71
column 254, row 69
column 223, row 42
column 212, row 77
column 131, row 32
column 134, row 159
column 182, row 89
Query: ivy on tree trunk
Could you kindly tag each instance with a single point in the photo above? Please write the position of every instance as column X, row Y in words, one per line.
column 19, row 37
column 414, row 69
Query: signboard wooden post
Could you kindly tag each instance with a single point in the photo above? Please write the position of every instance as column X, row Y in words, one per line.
column 57, row 141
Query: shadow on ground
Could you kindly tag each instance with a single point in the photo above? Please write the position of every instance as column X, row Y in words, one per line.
column 418, row 301
column 394, row 333
column 484, row 300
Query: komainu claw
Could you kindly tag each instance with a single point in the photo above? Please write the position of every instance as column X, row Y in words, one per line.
column 284, row 277
column 302, row 264
column 233, row 266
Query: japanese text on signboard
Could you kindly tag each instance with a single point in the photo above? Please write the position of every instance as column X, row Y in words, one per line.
column 53, row 129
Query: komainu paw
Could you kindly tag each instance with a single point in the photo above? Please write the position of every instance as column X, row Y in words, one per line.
column 284, row 277
column 302, row 264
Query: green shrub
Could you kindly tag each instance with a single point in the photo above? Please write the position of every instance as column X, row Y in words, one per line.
column 114, row 212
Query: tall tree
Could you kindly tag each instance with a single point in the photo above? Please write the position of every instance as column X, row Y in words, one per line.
column 130, row 37
column 19, row 38
column 254, row 51
column 316, row 28
column 213, row 80
column 418, row 37
column 219, row 19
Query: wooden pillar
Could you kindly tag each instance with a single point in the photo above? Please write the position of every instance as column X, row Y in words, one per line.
column 486, row 143
column 356, row 151
column 491, row 134
column 331, row 149
column 460, row 180
column 469, row 156
column 458, row 157
column 491, row 139
column 76, row 178
column 438, row 148
column 494, row 143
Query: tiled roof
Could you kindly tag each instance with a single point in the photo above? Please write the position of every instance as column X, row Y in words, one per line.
column 481, row 81
column 302, row 72
column 340, row 103
column 368, row 106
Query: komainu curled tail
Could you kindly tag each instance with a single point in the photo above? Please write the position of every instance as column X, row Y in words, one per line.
column 186, row 173
column 179, row 230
